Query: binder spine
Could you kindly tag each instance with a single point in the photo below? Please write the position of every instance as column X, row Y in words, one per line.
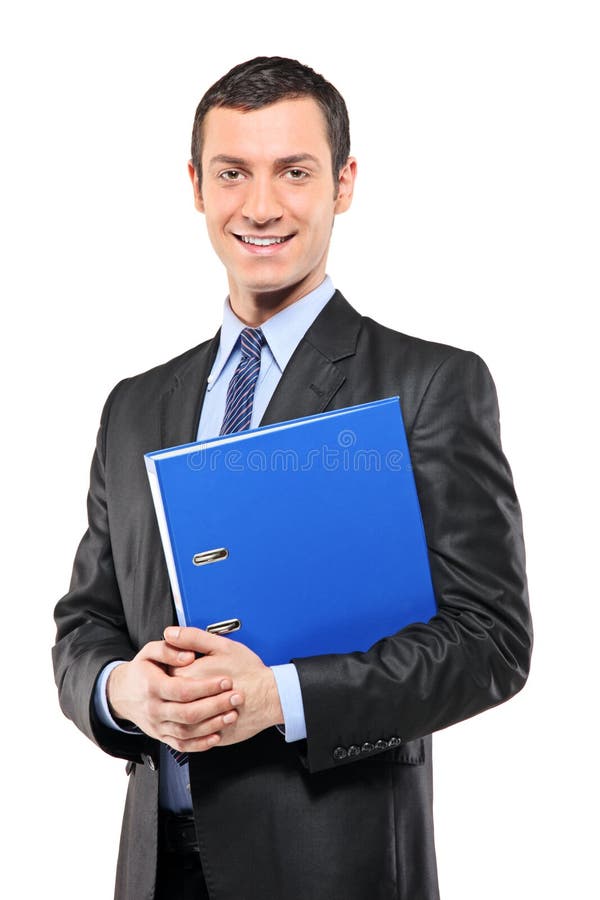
column 165, row 538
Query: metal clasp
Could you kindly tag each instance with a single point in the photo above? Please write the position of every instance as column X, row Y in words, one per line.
column 225, row 627
column 210, row 556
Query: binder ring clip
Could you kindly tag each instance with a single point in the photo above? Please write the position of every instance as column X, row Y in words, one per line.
column 210, row 556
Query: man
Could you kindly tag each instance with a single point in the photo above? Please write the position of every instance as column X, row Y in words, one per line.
column 339, row 805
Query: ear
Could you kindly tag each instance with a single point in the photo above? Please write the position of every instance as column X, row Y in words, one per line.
column 198, row 201
column 345, row 186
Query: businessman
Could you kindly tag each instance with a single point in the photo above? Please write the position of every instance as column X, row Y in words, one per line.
column 313, row 779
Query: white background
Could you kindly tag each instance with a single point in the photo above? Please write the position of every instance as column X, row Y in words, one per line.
column 475, row 223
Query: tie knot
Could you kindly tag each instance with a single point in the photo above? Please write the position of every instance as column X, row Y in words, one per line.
column 252, row 341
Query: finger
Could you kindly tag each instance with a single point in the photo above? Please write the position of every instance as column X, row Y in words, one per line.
column 194, row 639
column 200, row 671
column 195, row 745
column 175, row 731
column 165, row 654
column 187, row 690
column 205, row 667
column 200, row 710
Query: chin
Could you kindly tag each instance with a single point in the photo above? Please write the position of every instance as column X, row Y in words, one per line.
column 270, row 285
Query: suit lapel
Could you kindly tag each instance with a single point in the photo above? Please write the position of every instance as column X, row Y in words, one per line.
column 182, row 402
column 311, row 378
column 308, row 385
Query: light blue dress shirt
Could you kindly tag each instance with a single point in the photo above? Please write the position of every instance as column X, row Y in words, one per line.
column 283, row 332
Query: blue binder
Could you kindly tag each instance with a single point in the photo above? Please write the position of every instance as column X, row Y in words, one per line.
column 308, row 532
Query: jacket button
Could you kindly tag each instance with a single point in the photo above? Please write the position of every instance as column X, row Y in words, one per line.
column 340, row 753
column 381, row 745
column 367, row 747
column 353, row 750
column 394, row 742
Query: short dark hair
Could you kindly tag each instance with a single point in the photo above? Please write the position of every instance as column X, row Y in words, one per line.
column 265, row 80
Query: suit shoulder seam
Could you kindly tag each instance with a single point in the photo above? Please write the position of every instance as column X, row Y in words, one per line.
column 455, row 353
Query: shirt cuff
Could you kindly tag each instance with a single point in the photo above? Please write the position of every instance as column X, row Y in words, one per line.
column 290, row 696
column 101, row 700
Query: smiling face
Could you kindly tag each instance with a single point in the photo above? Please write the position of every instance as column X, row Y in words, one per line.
column 269, row 199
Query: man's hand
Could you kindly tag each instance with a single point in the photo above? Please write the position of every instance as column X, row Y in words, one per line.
column 190, row 714
column 247, row 672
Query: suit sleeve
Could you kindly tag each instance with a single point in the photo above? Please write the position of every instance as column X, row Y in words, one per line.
column 475, row 652
column 91, row 629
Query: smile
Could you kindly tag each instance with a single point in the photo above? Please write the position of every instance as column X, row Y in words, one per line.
column 262, row 241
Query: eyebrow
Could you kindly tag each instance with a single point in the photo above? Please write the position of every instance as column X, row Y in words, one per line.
column 227, row 160
column 295, row 159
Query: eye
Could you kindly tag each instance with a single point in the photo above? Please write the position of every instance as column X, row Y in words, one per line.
column 296, row 174
column 231, row 175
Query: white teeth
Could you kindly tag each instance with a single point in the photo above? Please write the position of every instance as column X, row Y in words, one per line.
column 261, row 242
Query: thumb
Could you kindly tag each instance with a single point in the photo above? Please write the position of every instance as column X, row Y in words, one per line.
column 192, row 639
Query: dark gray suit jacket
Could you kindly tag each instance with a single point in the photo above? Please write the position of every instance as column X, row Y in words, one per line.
column 298, row 821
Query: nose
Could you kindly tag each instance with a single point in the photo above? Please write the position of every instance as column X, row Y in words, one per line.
column 261, row 204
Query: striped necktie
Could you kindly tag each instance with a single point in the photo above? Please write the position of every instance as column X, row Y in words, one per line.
column 238, row 411
column 240, row 393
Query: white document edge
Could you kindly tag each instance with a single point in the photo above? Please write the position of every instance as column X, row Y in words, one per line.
column 165, row 538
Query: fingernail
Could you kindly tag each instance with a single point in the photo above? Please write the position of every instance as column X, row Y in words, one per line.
column 228, row 718
column 212, row 740
column 235, row 700
column 183, row 654
column 172, row 633
column 225, row 685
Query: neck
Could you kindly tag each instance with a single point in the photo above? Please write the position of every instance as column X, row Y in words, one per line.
column 253, row 308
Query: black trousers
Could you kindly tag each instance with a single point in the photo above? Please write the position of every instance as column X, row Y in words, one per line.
column 179, row 870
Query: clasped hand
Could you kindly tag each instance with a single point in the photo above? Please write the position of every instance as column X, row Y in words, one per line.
column 225, row 696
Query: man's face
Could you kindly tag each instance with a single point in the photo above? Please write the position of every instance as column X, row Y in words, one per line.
column 269, row 197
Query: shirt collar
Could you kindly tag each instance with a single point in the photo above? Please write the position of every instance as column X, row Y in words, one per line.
column 283, row 331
